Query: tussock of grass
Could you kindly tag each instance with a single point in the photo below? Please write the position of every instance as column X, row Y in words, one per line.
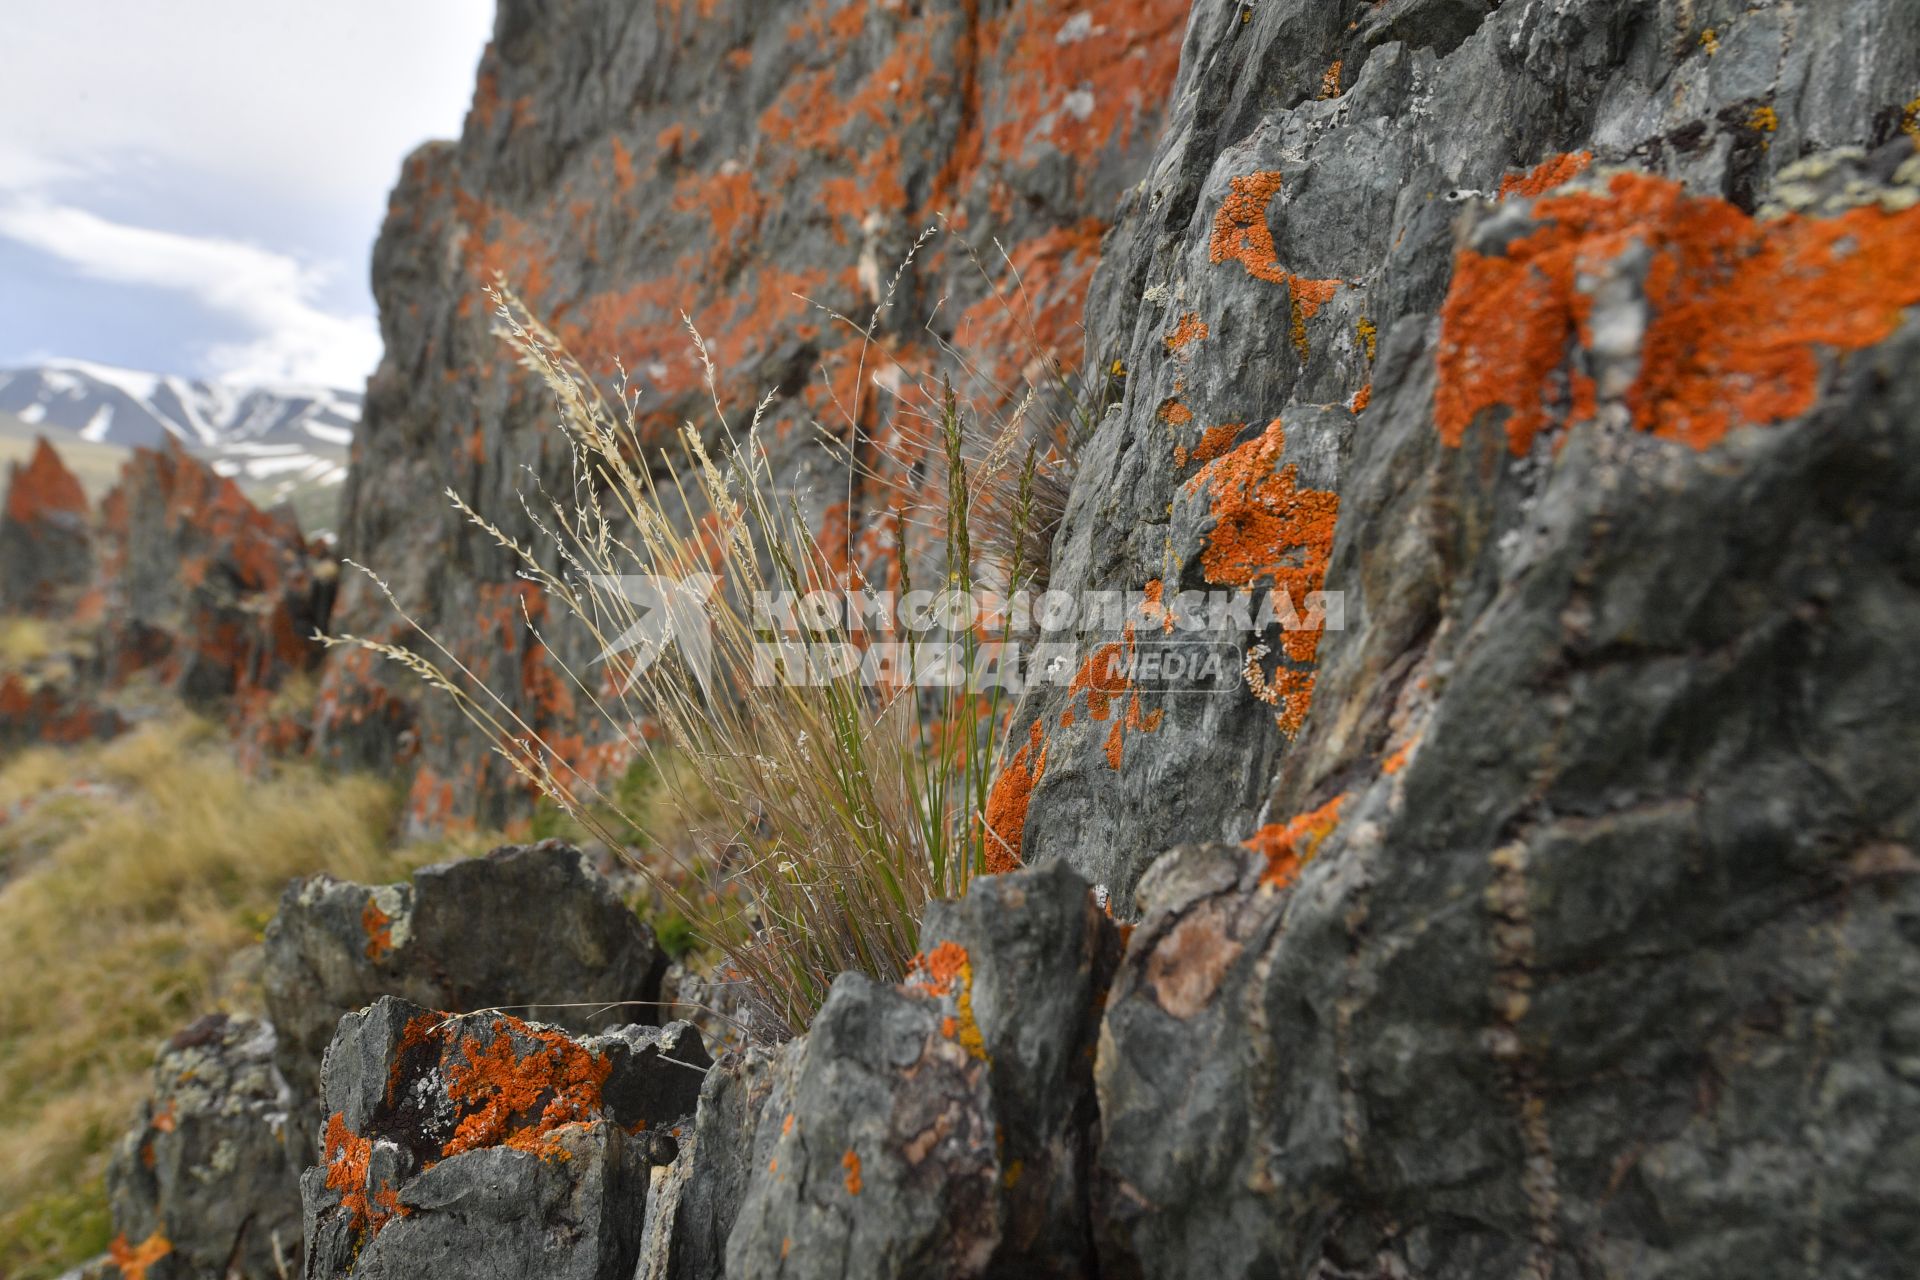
column 119, row 916
column 813, row 820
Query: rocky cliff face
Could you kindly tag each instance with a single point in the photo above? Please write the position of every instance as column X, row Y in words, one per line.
column 1555, row 915
column 748, row 165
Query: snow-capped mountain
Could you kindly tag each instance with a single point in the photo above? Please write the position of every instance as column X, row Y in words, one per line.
column 257, row 432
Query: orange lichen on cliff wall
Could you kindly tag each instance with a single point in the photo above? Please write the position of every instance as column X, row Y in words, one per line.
column 1289, row 846
column 1270, row 531
column 1740, row 310
column 1190, row 330
column 851, row 1163
column 1007, row 802
column 519, row 1100
column 1556, row 171
column 1240, row 234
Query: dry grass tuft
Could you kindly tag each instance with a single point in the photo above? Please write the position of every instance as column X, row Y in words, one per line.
column 823, row 813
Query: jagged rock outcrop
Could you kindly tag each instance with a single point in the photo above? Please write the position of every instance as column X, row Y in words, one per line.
column 46, row 545
column 219, row 598
column 749, row 163
column 941, row 1128
column 206, row 1186
column 484, row 1145
column 530, row 929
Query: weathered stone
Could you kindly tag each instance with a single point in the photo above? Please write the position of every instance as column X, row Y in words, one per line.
column 485, row 1146
column 528, row 929
column 217, row 597
column 205, row 1187
column 692, row 1205
column 46, row 547
column 940, row 1128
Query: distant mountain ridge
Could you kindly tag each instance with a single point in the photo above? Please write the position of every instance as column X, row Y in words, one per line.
column 108, row 405
column 289, row 437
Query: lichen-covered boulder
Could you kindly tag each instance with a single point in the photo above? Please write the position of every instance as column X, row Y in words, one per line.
column 46, row 546
column 202, row 588
column 528, row 928
column 481, row 1145
column 940, row 1128
column 206, row 1186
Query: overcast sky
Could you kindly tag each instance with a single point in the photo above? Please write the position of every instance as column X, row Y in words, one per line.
column 194, row 186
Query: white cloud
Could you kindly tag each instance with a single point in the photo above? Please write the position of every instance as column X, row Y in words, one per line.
column 264, row 137
column 269, row 293
column 313, row 102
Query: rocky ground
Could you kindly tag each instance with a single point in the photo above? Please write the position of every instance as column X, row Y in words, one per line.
column 1555, row 915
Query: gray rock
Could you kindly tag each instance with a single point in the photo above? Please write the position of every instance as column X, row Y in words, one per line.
column 940, row 1128
column 1381, row 128
column 531, row 929
column 692, row 1205
column 204, row 1187
column 485, row 1146
column 1602, row 944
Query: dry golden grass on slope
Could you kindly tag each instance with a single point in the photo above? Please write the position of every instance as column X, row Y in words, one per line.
column 133, row 876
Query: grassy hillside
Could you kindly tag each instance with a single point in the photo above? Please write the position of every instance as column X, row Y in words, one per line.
column 135, row 879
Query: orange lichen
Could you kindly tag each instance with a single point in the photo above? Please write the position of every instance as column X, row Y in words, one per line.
column 942, row 967
column 1739, row 310
column 1330, row 82
column 1556, row 171
column 347, row 1157
column 1292, row 845
column 520, row 1099
column 134, row 1259
column 851, row 1163
column 624, row 177
column 1190, row 330
column 1269, row 530
column 1007, row 803
column 1215, row 441
column 947, row 970
column 1398, row 760
column 1361, row 399
column 1240, row 234
column 1175, row 414
column 378, row 926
